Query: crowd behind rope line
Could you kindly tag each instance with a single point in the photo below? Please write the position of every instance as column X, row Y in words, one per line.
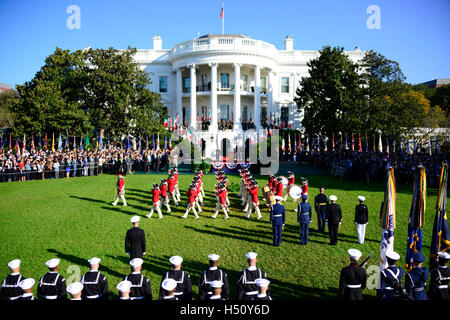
column 41, row 164
column 371, row 166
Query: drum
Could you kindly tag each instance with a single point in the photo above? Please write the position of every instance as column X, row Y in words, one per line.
column 295, row 192
column 284, row 181
column 268, row 195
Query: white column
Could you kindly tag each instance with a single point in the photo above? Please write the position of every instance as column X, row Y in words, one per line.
column 237, row 96
column 257, row 102
column 193, row 80
column 213, row 104
column 270, row 88
column 179, row 95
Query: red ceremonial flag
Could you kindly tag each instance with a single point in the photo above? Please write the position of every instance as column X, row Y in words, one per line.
column 332, row 143
column 300, row 142
column 221, row 13
column 359, row 143
column 353, row 143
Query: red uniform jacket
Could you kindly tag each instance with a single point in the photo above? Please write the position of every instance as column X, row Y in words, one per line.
column 163, row 190
column 254, row 193
column 155, row 195
column 279, row 189
column 121, row 184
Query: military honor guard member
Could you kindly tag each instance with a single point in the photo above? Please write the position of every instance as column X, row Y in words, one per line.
column 52, row 286
column 352, row 279
column 75, row 289
column 304, row 215
column 221, row 194
column 135, row 244
column 210, row 275
column 183, row 289
column 291, row 181
column 304, row 186
column 120, row 186
column 320, row 206
column 94, row 282
column 279, row 187
column 439, row 278
column 416, row 279
column 10, row 289
column 169, row 285
column 140, row 285
column 216, row 287
column 252, row 200
column 263, row 287
column 124, row 288
column 361, row 219
column 247, row 287
column 164, row 196
column 171, row 189
column 334, row 218
column 277, row 218
column 27, row 286
column 191, row 193
column 156, row 193
column 391, row 278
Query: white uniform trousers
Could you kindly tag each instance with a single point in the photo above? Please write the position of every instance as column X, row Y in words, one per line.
column 216, row 210
column 156, row 206
column 191, row 206
column 120, row 196
column 361, row 231
column 252, row 206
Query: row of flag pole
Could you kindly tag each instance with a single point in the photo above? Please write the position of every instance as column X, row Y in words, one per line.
column 48, row 144
column 440, row 241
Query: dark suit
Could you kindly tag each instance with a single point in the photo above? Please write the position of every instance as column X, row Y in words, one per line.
column 135, row 242
column 352, row 280
column 334, row 216
column 320, row 206
column 277, row 217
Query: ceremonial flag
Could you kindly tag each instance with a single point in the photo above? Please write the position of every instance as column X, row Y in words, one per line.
column 295, row 142
column 10, row 142
column 353, row 143
column 140, row 143
column 387, row 218
column 415, row 145
column 393, row 145
column 81, row 142
column 17, row 146
column 32, row 143
column 408, row 147
column 359, row 143
column 39, row 143
column 387, row 145
column 23, row 144
column 440, row 241
column 416, row 215
column 374, row 145
column 45, row 143
column 74, row 141
column 367, row 144
column 87, row 141
column 158, row 144
column 2, row 142
column 67, row 142
column 128, row 142
column 53, row 142
column 165, row 141
column 153, row 144
column 60, row 142
column 307, row 144
column 380, row 144
column 101, row 144
column 282, row 144
column 346, row 143
column 325, row 142
column 429, row 147
column 300, row 142
column 401, row 144
column 332, row 143
column 436, row 147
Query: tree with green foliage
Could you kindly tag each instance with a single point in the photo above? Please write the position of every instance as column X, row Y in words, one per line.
column 330, row 98
column 7, row 100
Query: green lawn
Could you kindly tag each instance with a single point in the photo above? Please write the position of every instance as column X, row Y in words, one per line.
column 73, row 219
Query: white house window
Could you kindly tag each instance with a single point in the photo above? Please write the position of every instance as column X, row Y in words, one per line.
column 285, row 85
column 224, row 112
column 163, row 84
column 244, row 83
column 186, row 84
column 224, row 80
column 263, row 84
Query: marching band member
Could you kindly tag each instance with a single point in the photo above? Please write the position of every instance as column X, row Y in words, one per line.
column 164, row 196
column 156, row 202
column 279, row 187
column 171, row 189
column 253, row 200
column 221, row 194
column 191, row 202
column 120, row 189
column 291, row 181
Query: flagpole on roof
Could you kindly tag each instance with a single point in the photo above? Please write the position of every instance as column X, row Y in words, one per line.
column 222, row 15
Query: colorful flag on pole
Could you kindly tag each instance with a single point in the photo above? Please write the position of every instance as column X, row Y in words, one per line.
column 325, row 142
column 440, row 241
column 81, row 142
column 10, row 142
column 353, row 143
column 23, row 144
column 153, row 144
column 45, row 143
column 53, row 142
column 332, row 143
column 359, row 143
column 60, row 142
column 87, row 141
column 40, row 143
column 128, row 142
column 387, row 145
column 387, row 218
column 101, row 144
column 416, row 215
column 32, row 143
column 165, row 141
column 346, row 143
column 17, row 146
column 380, row 144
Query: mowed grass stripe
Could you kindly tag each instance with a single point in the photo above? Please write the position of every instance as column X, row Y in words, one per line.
column 73, row 219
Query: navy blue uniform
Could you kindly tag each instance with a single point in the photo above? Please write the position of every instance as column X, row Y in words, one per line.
column 304, row 215
column 415, row 282
column 277, row 217
column 320, row 205
column 389, row 278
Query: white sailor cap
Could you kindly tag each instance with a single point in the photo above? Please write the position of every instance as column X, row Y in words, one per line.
column 216, row 284
column 26, row 283
column 169, row 284
column 392, row 255
column 262, row 282
column 135, row 219
column 75, row 288
column 94, row 260
column 361, row 198
column 251, row 255
column 14, row 264
column 136, row 262
column 354, row 253
column 176, row 260
column 213, row 257
column 278, row 198
column 444, row 255
column 124, row 286
column 333, row 198
column 52, row 263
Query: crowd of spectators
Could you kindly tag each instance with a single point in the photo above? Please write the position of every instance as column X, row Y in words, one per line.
column 46, row 164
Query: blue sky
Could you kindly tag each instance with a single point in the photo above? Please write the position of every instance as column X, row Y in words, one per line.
column 415, row 33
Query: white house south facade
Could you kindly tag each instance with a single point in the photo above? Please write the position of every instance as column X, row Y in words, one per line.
column 233, row 82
